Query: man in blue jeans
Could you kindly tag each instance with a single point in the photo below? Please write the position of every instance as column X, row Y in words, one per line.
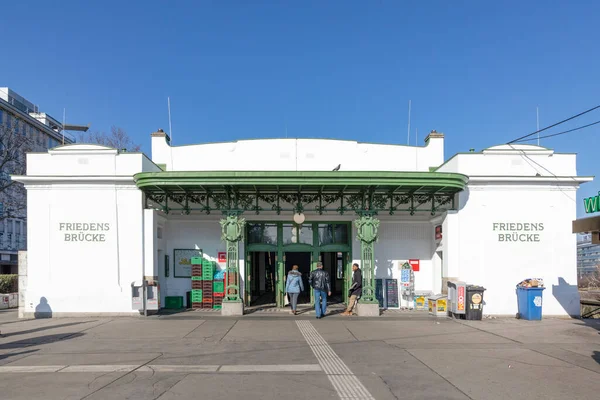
column 319, row 281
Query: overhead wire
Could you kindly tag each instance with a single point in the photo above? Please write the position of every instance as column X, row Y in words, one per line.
column 553, row 125
column 557, row 134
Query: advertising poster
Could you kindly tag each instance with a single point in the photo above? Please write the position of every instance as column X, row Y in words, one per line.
column 182, row 262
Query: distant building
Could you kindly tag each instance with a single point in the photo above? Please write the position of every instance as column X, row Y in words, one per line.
column 44, row 132
column 588, row 255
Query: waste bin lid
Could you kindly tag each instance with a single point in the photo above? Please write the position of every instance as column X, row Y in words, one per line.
column 423, row 293
column 475, row 287
column 438, row 296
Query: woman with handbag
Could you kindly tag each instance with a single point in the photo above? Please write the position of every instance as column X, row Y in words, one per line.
column 293, row 287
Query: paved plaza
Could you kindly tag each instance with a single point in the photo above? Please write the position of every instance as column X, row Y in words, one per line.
column 277, row 356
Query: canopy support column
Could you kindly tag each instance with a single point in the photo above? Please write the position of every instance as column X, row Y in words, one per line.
column 232, row 229
column 367, row 227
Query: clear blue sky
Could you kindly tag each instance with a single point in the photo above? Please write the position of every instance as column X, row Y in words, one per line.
column 245, row 69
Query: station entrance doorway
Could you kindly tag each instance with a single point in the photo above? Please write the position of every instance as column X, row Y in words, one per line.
column 272, row 248
column 302, row 260
column 266, row 276
column 261, row 268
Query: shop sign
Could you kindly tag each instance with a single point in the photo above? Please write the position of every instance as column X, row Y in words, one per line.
column 592, row 204
column 405, row 272
column 84, row 231
column 415, row 264
column 438, row 232
column 222, row 257
column 461, row 298
column 518, row 231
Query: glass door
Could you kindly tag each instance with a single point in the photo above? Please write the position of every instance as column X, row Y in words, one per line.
column 248, row 279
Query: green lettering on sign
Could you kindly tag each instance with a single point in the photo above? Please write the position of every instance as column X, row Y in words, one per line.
column 592, row 204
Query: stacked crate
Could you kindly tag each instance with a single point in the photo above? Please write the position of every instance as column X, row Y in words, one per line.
column 218, row 293
column 208, row 270
column 207, row 292
column 197, row 293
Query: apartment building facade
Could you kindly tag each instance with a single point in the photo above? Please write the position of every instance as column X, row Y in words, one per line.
column 23, row 128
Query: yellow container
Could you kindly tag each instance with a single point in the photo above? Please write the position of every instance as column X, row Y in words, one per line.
column 420, row 303
column 438, row 305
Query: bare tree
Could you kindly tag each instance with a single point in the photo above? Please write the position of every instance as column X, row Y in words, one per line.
column 13, row 146
column 118, row 139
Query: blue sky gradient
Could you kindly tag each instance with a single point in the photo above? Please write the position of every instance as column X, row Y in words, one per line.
column 336, row 69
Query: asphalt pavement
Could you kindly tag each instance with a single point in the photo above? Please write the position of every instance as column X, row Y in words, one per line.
column 272, row 356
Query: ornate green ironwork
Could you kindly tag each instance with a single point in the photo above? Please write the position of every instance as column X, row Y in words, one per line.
column 367, row 228
column 232, row 229
column 260, row 202
column 301, row 191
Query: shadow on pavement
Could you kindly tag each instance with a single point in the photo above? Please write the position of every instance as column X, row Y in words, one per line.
column 43, row 328
column 7, row 355
column 591, row 323
column 39, row 340
column 253, row 309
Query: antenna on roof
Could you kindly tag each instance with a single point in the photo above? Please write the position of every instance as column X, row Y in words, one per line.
column 537, row 113
column 169, row 109
column 170, row 131
column 63, row 127
column 408, row 138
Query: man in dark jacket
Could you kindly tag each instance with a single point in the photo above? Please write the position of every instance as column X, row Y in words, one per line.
column 319, row 281
column 355, row 290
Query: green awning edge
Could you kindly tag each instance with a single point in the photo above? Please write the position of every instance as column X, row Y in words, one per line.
column 151, row 181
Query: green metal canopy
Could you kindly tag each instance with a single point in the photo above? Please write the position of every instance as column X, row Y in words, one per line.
column 299, row 191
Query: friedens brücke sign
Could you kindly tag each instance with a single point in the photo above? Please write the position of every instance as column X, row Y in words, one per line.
column 84, row 231
column 518, row 231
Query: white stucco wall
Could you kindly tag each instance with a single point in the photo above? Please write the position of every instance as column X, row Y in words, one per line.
column 515, row 185
column 297, row 155
column 485, row 258
column 85, row 231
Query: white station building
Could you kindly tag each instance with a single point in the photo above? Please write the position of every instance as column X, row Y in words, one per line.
column 101, row 220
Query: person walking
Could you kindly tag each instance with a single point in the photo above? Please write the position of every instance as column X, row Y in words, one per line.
column 355, row 290
column 293, row 287
column 319, row 281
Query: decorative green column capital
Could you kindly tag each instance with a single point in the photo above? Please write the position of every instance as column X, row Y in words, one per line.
column 232, row 228
column 232, row 232
column 367, row 227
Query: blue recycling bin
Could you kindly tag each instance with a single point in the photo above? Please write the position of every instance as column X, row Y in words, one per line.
column 529, row 300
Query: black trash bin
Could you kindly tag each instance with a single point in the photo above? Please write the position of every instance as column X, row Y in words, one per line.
column 474, row 302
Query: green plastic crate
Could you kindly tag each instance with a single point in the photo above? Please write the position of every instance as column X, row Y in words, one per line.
column 197, row 278
column 218, row 286
column 196, row 298
column 197, row 260
column 217, row 307
column 173, row 302
column 196, row 292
